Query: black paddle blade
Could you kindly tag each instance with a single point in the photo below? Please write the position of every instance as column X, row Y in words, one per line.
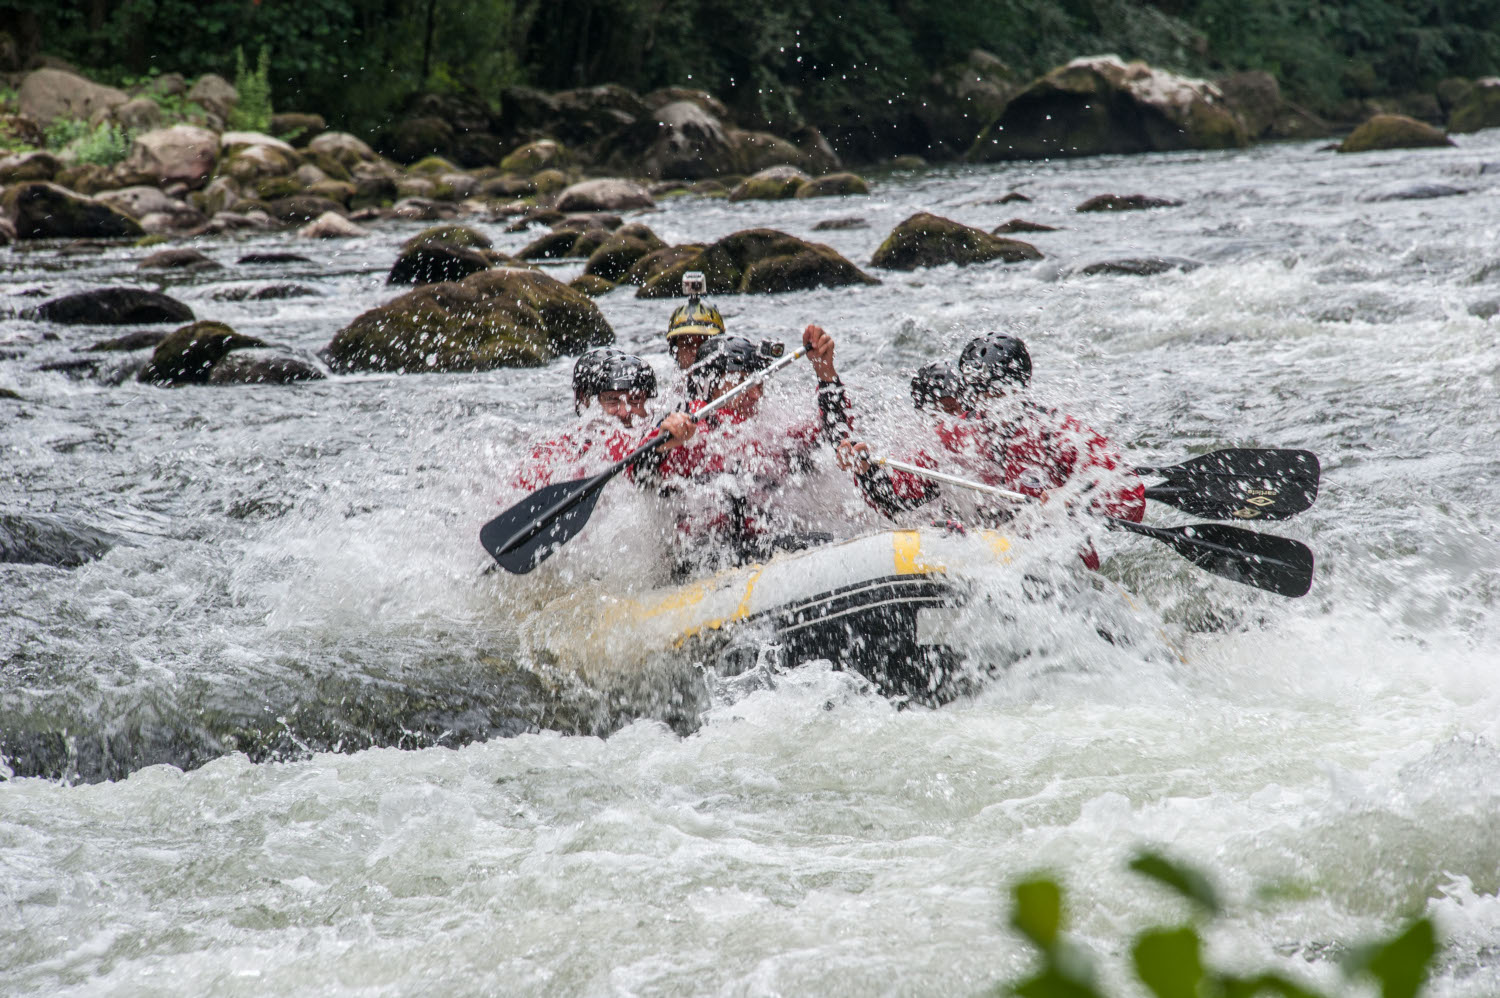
column 1275, row 564
column 529, row 532
column 1240, row 483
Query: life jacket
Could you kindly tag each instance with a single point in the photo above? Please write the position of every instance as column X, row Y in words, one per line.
column 586, row 449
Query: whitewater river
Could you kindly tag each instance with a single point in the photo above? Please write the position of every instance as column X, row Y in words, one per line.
column 283, row 738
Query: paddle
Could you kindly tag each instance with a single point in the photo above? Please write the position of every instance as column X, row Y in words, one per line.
column 1275, row 564
column 1240, row 483
column 528, row 533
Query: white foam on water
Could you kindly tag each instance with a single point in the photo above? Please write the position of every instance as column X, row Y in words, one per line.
column 299, row 566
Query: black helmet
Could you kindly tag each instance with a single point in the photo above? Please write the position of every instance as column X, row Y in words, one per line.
column 721, row 355
column 586, row 373
column 994, row 359
column 627, row 373
column 936, row 381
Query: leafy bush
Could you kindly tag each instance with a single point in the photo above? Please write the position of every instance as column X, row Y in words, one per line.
column 105, row 145
column 253, row 112
column 1169, row 960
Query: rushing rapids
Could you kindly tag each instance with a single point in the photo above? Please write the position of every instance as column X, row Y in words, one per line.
column 276, row 591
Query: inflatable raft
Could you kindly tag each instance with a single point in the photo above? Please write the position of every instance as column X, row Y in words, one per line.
column 920, row 613
column 891, row 605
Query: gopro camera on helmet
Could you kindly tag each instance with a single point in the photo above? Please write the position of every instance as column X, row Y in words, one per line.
column 694, row 283
column 772, row 348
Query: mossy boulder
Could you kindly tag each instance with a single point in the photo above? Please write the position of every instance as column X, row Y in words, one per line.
column 254, row 369
column 1393, row 131
column 833, row 185
column 442, row 253
column 25, row 166
column 1099, row 104
column 271, row 188
column 434, row 165
column 772, row 184
column 591, row 285
column 563, row 244
column 758, row 151
column 1479, row 107
column 454, row 235
column 40, row 210
column 249, row 163
column 188, row 354
column 927, row 240
column 340, row 191
column 618, row 253
column 111, row 307
column 657, row 261
column 759, row 261
column 342, row 148
column 549, row 181
column 374, row 192
column 534, row 156
column 506, row 317
column 1125, row 202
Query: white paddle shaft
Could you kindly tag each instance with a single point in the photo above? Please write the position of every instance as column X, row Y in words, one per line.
column 938, row 476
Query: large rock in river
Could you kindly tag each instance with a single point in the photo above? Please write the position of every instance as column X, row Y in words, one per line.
column 617, row 254
column 1393, row 131
column 188, row 355
column 41, row 539
column 253, row 368
column 759, row 261
column 927, row 240
column 111, row 307
column 605, row 194
column 1099, row 104
column 442, row 253
column 771, row 184
column 506, row 317
column 47, row 211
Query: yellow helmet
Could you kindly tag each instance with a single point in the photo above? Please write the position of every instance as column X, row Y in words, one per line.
column 695, row 319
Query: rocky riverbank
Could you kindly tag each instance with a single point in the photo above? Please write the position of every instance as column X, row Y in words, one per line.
column 566, row 167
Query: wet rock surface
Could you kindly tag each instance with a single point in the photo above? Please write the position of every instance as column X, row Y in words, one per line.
column 1394, row 131
column 928, row 240
column 188, row 355
column 41, row 210
column 759, row 261
column 42, row 539
column 1098, row 105
column 505, row 317
column 111, row 307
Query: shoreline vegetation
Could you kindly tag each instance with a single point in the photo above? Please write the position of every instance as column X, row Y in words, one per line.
column 749, row 101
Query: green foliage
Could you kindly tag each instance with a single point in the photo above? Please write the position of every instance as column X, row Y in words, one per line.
column 253, row 111
column 64, row 131
column 1400, row 965
column 1169, row 960
column 1183, row 879
column 775, row 61
column 104, row 145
